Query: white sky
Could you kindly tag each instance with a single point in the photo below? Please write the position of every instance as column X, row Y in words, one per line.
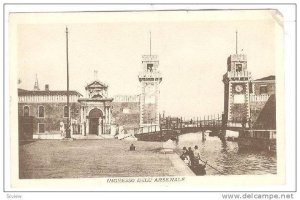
column 192, row 49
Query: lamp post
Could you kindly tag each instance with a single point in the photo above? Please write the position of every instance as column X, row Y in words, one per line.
column 68, row 135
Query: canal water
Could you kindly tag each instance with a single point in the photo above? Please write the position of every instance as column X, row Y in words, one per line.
column 227, row 158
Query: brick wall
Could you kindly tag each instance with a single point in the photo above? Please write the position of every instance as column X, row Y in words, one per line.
column 226, row 97
column 257, row 106
column 238, row 112
column 270, row 87
column 149, row 113
column 54, row 114
column 126, row 114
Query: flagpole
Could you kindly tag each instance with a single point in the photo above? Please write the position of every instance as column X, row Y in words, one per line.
column 68, row 135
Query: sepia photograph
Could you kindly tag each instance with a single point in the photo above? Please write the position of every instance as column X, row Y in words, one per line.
column 147, row 96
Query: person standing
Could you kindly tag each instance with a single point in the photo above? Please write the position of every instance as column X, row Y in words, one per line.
column 191, row 155
column 62, row 129
column 196, row 153
column 132, row 147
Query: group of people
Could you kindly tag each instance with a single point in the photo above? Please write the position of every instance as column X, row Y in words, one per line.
column 191, row 157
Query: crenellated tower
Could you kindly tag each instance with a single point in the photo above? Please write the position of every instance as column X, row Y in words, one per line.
column 150, row 78
column 237, row 89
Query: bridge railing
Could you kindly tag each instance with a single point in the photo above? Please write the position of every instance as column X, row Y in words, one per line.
column 167, row 123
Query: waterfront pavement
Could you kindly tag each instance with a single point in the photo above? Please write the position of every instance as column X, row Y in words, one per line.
column 97, row 158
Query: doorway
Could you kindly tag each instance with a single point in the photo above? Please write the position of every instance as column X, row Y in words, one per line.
column 94, row 122
column 95, row 117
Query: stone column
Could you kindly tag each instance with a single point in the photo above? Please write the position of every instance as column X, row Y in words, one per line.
column 87, row 126
column 109, row 115
column 101, row 129
column 109, row 119
column 105, row 113
column 82, row 120
column 99, row 126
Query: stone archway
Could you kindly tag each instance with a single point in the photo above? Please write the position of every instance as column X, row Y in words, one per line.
column 95, row 122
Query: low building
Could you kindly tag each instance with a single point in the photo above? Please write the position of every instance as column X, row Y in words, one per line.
column 43, row 112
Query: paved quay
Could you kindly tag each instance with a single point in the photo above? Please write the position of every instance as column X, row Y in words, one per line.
column 97, row 158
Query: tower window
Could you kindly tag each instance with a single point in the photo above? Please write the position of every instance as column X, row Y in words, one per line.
column 149, row 67
column 41, row 111
column 26, row 111
column 238, row 67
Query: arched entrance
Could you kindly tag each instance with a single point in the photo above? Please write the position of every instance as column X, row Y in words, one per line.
column 95, row 121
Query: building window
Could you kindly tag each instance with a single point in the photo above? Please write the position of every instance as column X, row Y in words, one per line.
column 238, row 67
column 41, row 128
column 66, row 111
column 41, row 111
column 26, row 111
column 263, row 89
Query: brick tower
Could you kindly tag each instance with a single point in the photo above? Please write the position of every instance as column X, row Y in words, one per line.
column 236, row 89
column 150, row 79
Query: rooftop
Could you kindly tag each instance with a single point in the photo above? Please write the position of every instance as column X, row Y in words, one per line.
column 22, row 92
column 267, row 78
column 96, row 84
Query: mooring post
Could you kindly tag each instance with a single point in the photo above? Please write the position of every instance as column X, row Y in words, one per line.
column 208, row 119
column 181, row 122
column 203, row 136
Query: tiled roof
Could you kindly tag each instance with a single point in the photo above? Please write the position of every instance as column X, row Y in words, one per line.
column 267, row 78
column 22, row 92
column 267, row 116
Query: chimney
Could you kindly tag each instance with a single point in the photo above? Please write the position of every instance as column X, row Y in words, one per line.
column 47, row 87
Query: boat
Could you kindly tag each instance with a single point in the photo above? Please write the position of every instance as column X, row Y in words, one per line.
column 198, row 169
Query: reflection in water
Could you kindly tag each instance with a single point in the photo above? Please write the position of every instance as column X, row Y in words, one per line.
column 227, row 158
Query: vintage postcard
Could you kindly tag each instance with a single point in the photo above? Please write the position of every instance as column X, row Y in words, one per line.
column 147, row 100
